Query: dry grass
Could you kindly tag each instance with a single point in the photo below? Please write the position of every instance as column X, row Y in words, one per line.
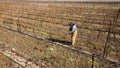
column 56, row 14
column 6, row 62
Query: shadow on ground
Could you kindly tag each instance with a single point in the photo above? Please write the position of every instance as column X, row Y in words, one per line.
column 60, row 41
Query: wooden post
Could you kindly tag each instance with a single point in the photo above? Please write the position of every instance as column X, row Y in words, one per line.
column 34, row 32
column 105, row 52
column 98, row 34
column 115, row 21
column 18, row 28
column 93, row 60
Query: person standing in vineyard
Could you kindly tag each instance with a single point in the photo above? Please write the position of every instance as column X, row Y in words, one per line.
column 73, row 32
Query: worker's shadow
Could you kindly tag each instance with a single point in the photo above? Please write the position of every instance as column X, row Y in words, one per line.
column 60, row 41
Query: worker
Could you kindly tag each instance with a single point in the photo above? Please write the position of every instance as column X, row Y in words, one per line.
column 73, row 32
